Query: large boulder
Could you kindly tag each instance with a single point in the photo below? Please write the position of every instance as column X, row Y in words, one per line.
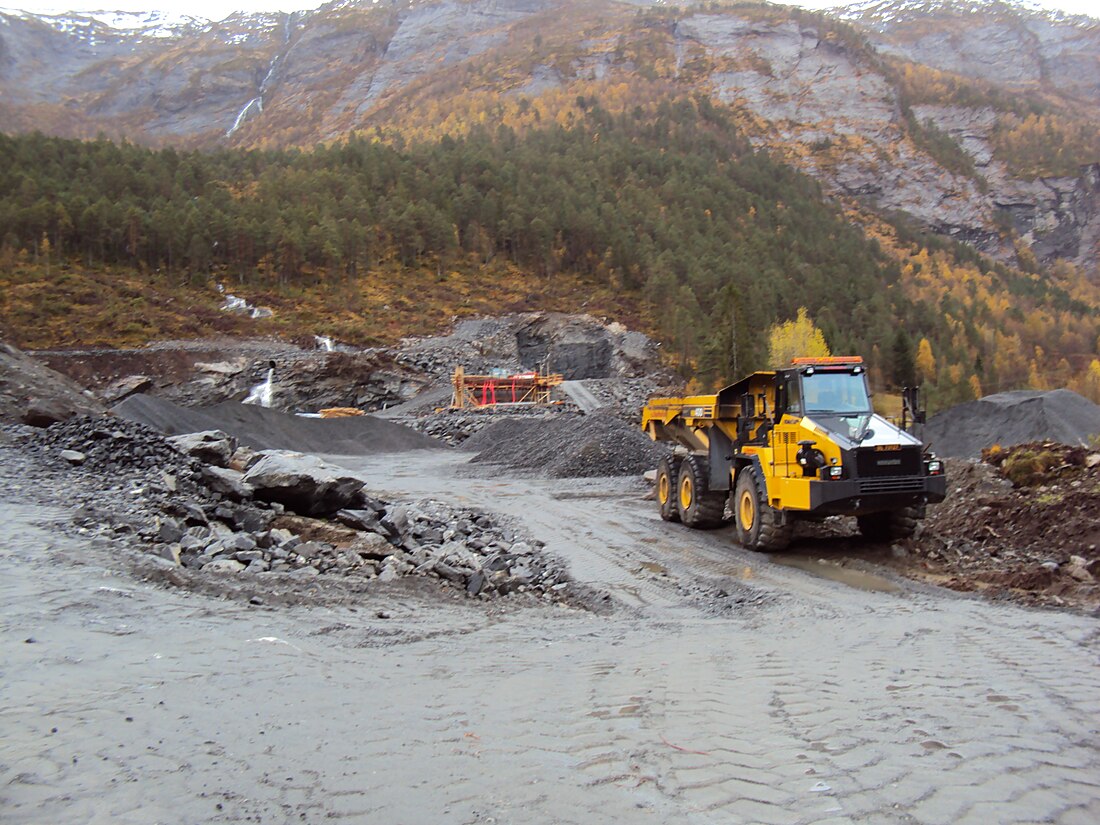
column 302, row 483
column 210, row 446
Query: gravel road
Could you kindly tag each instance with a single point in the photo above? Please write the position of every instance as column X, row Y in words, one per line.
column 721, row 688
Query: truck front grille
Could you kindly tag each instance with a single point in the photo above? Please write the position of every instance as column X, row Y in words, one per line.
column 905, row 484
column 872, row 462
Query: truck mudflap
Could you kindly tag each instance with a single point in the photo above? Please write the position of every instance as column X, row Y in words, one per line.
column 870, row 495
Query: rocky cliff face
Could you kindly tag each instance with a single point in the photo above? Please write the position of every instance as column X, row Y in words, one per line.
column 999, row 42
column 810, row 90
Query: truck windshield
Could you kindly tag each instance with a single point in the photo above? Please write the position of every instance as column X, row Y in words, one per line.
column 835, row 392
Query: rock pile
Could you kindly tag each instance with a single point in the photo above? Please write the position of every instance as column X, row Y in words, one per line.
column 128, row 480
column 102, row 443
column 1025, row 521
column 454, row 427
column 567, row 446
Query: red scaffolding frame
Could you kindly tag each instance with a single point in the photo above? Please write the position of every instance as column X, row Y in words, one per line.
column 530, row 388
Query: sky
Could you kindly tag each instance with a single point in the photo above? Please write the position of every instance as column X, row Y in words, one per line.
column 219, row 9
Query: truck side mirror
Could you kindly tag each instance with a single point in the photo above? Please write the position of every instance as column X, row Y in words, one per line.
column 748, row 406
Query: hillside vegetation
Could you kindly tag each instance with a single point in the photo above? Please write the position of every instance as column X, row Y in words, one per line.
column 666, row 219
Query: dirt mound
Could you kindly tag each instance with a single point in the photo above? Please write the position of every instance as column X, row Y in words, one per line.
column 1013, row 418
column 1025, row 521
column 567, row 446
column 263, row 429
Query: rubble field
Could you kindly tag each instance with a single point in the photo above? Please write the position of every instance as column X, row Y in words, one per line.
column 204, row 509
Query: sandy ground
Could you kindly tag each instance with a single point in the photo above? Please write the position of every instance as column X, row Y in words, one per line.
column 721, row 688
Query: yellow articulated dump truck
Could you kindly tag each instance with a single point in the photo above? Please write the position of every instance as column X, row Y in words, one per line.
column 784, row 445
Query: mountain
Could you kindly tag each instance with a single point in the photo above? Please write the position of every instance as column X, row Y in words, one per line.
column 930, row 109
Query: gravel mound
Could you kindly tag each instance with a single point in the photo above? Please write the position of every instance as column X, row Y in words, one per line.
column 264, row 429
column 567, row 446
column 1009, row 418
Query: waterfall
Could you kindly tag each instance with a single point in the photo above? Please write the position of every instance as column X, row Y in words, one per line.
column 258, row 101
column 261, row 393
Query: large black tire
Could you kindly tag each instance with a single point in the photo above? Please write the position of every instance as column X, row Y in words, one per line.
column 759, row 526
column 667, row 472
column 698, row 507
column 891, row 526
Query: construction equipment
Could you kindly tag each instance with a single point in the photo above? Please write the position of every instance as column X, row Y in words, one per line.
column 527, row 388
column 801, row 442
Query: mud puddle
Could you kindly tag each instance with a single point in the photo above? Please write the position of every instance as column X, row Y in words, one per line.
column 858, row 579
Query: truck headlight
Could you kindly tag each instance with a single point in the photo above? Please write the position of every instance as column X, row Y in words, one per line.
column 935, row 467
column 834, row 472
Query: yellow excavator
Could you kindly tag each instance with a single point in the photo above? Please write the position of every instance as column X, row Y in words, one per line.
column 784, row 445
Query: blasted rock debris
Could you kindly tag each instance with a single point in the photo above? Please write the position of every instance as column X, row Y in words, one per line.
column 132, row 483
column 1024, row 521
column 567, row 446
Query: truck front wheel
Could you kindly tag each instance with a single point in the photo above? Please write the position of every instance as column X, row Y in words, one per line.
column 759, row 526
column 890, row 526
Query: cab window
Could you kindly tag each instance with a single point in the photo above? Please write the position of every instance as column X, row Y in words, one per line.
column 835, row 392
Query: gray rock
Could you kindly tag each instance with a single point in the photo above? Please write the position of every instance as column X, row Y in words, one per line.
column 212, row 446
column 359, row 519
column 171, row 552
column 228, row 482
column 373, row 546
column 476, row 584
column 191, row 544
column 223, row 566
column 281, row 537
column 451, row 574
column 169, row 531
column 249, row 555
column 304, row 484
column 310, row 549
column 396, row 521
column 305, row 573
column 239, row 542
column 74, row 457
column 189, row 511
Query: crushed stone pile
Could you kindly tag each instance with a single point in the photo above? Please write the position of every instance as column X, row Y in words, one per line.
column 456, row 426
column 129, row 483
column 1009, row 418
column 567, row 446
column 1024, row 521
column 264, row 429
column 111, row 444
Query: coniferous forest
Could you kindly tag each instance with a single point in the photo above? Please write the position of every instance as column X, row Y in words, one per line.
column 670, row 213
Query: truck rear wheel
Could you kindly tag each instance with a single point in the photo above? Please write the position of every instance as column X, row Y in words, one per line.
column 697, row 506
column 759, row 526
column 890, row 526
column 667, row 472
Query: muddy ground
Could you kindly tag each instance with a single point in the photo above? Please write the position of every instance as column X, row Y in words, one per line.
column 694, row 681
column 718, row 685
